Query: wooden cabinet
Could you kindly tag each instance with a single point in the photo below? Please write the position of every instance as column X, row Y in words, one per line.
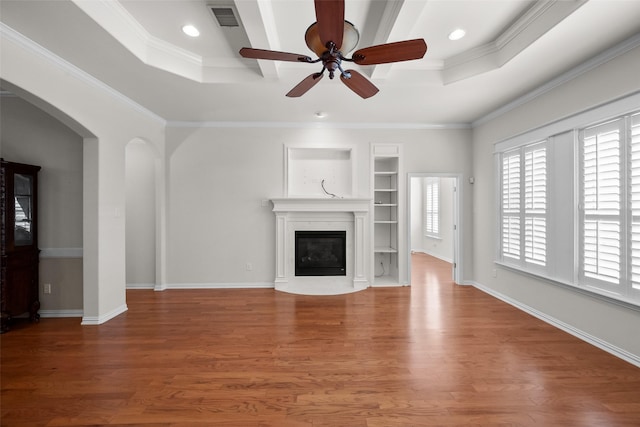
column 20, row 253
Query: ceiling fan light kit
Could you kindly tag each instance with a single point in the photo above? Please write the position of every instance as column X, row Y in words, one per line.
column 350, row 38
column 328, row 38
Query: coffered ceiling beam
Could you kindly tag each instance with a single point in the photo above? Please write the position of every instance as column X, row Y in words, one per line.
column 259, row 24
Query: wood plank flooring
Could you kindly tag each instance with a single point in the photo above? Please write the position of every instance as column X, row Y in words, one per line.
column 431, row 354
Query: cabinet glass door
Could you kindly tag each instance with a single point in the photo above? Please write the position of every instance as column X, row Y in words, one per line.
column 23, row 194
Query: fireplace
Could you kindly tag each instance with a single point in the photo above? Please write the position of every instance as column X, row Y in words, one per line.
column 322, row 217
column 320, row 253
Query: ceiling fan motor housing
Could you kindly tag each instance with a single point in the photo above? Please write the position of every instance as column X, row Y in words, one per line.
column 349, row 40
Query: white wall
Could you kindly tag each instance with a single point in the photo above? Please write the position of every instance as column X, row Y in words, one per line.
column 107, row 121
column 605, row 323
column 218, row 178
column 29, row 135
column 140, row 214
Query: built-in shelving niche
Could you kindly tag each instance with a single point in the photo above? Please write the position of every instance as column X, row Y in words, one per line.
column 307, row 167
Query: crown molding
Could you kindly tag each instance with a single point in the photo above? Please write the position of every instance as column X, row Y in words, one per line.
column 116, row 20
column 606, row 56
column 8, row 34
column 541, row 17
column 315, row 125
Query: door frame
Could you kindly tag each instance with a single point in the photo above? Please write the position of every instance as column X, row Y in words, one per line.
column 458, row 261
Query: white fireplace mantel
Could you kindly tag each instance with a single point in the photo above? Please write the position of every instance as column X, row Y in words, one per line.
column 320, row 204
column 316, row 213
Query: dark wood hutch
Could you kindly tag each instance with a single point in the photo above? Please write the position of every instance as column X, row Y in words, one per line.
column 20, row 253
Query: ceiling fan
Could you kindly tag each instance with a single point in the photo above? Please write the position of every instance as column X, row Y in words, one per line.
column 328, row 38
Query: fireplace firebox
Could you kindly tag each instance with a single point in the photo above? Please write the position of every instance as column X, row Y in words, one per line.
column 320, row 253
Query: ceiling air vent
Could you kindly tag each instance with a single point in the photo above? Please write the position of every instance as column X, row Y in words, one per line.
column 225, row 16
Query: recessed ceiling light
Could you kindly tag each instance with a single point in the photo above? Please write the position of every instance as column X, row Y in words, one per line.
column 191, row 31
column 321, row 114
column 457, row 34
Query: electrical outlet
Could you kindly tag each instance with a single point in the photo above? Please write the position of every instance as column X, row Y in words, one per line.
column 46, row 288
column 494, row 273
column 249, row 266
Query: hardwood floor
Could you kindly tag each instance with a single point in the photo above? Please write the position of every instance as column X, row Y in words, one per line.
column 431, row 354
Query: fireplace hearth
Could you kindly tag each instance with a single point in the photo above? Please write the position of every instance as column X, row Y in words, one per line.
column 320, row 253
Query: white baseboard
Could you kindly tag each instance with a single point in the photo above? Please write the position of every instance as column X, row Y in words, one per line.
column 449, row 260
column 240, row 285
column 584, row 336
column 60, row 313
column 98, row 320
column 141, row 286
column 61, row 253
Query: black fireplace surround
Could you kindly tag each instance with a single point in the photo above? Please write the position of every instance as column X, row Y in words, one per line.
column 321, row 253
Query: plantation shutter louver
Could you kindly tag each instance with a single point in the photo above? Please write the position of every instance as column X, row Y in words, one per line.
column 432, row 207
column 601, row 202
column 635, row 200
column 511, row 205
column 535, row 204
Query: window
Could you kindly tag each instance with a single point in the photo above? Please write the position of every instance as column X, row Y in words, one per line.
column 432, row 207
column 524, row 205
column 610, row 205
column 568, row 206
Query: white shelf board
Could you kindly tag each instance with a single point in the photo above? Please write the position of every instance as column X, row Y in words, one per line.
column 385, row 281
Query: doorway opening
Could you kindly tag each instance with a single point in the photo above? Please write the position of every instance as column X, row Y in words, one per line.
column 434, row 219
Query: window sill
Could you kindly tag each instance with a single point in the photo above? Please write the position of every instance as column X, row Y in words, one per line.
column 593, row 293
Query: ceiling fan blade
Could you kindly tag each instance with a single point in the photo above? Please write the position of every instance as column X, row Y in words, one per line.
column 359, row 84
column 247, row 52
column 306, row 84
column 391, row 52
column 330, row 17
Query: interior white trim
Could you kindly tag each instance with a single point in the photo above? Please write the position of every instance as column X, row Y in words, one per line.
column 140, row 286
column 9, row 34
column 618, row 107
column 606, row 56
column 316, row 125
column 61, row 253
column 578, row 333
column 98, row 320
column 535, row 22
column 221, row 285
column 459, row 231
column 60, row 313
column 348, row 214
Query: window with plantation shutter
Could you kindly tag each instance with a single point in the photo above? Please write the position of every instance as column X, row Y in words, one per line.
column 524, row 205
column 432, row 207
column 535, row 204
column 568, row 206
column 511, row 205
column 601, row 202
column 635, row 201
column 610, row 207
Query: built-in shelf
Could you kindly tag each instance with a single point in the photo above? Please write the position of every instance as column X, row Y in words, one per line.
column 385, row 183
column 385, row 280
column 385, row 249
column 314, row 171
